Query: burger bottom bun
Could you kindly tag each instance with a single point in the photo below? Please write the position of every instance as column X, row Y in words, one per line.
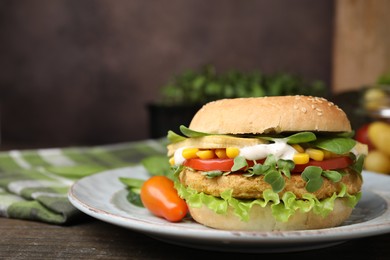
column 261, row 219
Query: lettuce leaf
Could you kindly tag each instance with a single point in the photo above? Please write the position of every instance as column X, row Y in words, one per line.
column 282, row 208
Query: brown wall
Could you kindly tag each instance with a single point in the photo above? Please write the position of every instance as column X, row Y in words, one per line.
column 361, row 43
column 82, row 72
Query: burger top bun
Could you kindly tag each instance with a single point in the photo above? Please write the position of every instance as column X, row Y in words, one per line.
column 276, row 114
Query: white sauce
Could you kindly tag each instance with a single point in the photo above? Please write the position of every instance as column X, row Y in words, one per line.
column 280, row 149
column 178, row 157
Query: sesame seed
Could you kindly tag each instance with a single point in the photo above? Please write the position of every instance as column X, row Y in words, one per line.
column 303, row 109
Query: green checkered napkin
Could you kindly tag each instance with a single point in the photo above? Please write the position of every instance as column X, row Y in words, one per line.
column 34, row 183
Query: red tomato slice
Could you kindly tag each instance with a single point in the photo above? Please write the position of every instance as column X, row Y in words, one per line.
column 227, row 164
column 210, row 164
column 328, row 164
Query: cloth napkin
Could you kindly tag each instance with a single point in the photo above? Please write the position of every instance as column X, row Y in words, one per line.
column 34, row 183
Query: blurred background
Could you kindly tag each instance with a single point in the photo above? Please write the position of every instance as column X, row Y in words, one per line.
column 84, row 72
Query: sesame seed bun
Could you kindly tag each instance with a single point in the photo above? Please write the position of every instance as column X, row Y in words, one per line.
column 275, row 114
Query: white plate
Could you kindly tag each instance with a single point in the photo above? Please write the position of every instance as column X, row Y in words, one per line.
column 103, row 196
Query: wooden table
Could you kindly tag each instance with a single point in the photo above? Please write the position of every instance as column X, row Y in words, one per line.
column 93, row 239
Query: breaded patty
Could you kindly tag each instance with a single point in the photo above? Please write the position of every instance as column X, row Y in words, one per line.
column 253, row 187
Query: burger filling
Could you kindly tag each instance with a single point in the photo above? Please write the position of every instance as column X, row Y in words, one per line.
column 275, row 158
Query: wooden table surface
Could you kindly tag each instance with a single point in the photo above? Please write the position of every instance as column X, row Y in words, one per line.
column 93, row 239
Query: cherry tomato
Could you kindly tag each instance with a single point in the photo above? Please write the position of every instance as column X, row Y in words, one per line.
column 160, row 197
column 362, row 136
column 226, row 164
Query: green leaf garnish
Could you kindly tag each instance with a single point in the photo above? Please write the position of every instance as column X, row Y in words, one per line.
column 239, row 163
column 275, row 179
column 345, row 134
column 191, row 133
column 134, row 188
column 270, row 160
column 132, row 182
column 358, row 165
column 273, row 175
column 174, row 138
column 134, row 198
column 338, row 145
column 258, row 169
column 273, row 171
column 334, row 176
column 285, row 166
column 212, row 174
column 302, row 137
column 312, row 176
column 176, row 170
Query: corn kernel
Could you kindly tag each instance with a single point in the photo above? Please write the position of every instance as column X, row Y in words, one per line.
column 301, row 158
column 298, row 148
column 172, row 160
column 221, row 153
column 232, row 152
column 190, row 153
column 205, row 154
column 315, row 154
column 328, row 154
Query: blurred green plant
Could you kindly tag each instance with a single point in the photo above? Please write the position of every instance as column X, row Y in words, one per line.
column 384, row 79
column 199, row 87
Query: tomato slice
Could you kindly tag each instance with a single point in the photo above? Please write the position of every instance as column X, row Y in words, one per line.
column 226, row 164
column 210, row 164
column 328, row 164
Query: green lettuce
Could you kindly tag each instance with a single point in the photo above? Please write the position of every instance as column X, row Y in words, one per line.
column 282, row 208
